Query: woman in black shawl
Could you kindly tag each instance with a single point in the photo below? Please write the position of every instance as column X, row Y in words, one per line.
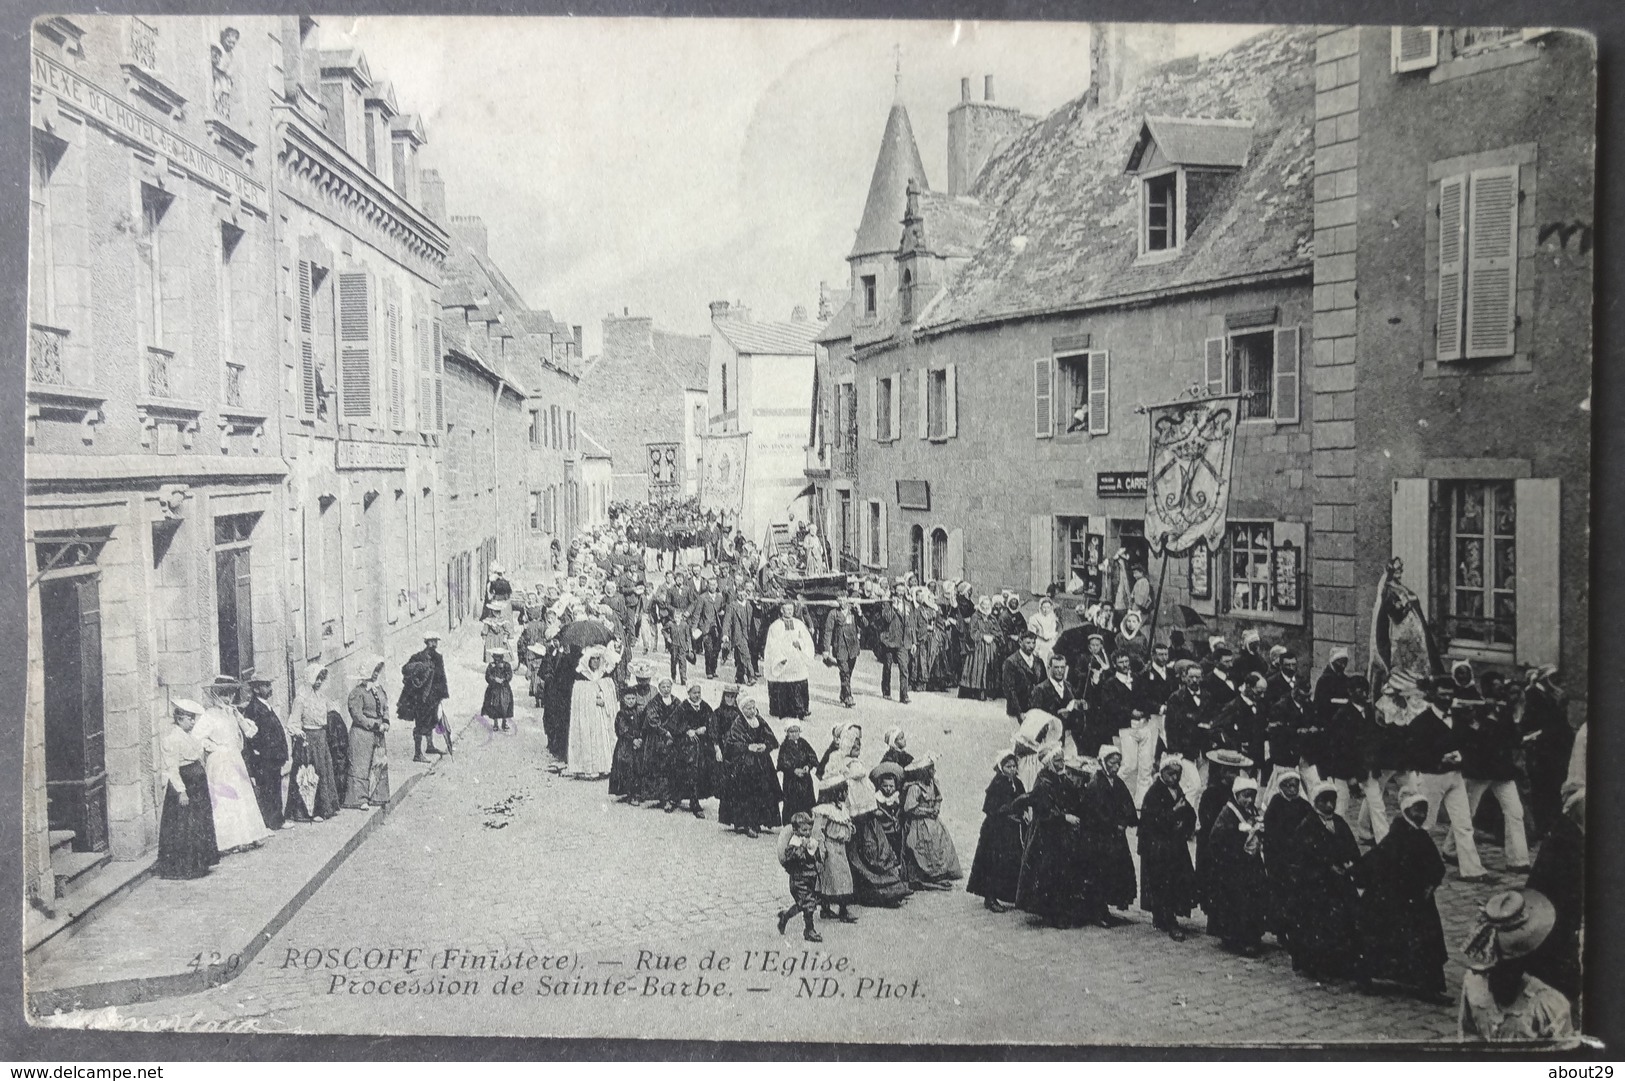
column 1282, row 815
column 1325, row 905
column 1051, row 883
column 1237, row 897
column 623, row 768
column 874, row 852
column 996, row 866
column 498, row 704
column 1400, row 934
column 750, row 793
column 1224, row 766
column 797, row 764
column 688, row 773
column 1107, row 865
column 338, row 749
column 1167, row 823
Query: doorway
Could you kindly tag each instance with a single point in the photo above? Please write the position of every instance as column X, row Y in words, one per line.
column 75, row 751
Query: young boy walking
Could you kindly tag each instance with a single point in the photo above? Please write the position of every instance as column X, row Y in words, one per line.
column 798, row 855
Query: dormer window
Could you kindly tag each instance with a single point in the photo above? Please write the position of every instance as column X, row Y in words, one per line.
column 1183, row 164
column 1159, row 200
column 871, row 296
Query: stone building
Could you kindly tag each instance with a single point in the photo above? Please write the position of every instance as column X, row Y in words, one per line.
column 1454, row 198
column 363, row 384
column 155, row 550
column 597, row 482
column 643, row 398
column 997, row 382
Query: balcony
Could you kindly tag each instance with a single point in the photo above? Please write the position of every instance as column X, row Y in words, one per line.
column 45, row 347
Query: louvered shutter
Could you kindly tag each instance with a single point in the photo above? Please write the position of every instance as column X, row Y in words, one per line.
column 1099, row 393
column 1452, row 253
column 1409, row 535
column 923, row 403
column 397, row 392
column 874, row 408
column 1492, row 258
column 355, row 345
column 1539, row 510
column 896, row 417
column 1041, row 552
column 1414, row 48
column 307, row 343
column 884, row 555
column 1043, row 397
column 1287, row 374
column 439, row 380
column 1213, row 367
column 950, row 399
column 425, row 378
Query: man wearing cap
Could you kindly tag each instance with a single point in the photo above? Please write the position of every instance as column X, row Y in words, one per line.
column 423, row 689
column 1488, row 739
column 1500, row 999
column 1022, row 672
column 1431, row 750
column 266, row 753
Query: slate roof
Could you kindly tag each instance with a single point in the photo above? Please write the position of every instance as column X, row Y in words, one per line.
column 768, row 339
column 1196, row 141
column 955, row 225
column 839, row 328
column 897, row 163
column 1065, row 229
column 591, row 448
column 687, row 357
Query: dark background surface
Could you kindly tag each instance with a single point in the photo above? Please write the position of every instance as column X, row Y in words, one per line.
column 1605, row 957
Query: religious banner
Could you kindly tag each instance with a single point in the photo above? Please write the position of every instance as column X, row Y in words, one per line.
column 1188, row 479
column 722, row 477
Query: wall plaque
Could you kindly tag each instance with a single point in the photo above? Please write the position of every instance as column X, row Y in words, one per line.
column 914, row 494
column 1130, row 484
column 355, row 454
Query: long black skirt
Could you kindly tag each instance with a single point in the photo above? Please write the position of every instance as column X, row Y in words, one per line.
column 312, row 790
column 268, row 794
column 186, row 841
column 996, row 867
column 788, row 700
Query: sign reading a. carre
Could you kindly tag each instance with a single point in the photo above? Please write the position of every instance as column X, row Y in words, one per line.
column 1130, row 484
column 354, row 454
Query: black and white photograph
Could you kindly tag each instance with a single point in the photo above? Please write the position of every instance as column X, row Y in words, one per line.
column 834, row 531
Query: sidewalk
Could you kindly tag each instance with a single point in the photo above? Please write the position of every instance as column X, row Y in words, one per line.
column 161, row 938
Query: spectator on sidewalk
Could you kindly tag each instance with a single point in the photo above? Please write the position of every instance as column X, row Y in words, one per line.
column 423, row 691
column 1500, row 999
column 369, row 722
column 186, row 845
column 497, row 706
column 266, row 754
column 222, row 729
column 312, row 794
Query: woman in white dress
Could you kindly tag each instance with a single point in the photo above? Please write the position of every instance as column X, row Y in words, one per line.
column 1047, row 626
column 222, row 729
column 593, row 703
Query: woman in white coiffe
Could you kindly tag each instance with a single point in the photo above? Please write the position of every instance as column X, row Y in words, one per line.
column 593, row 703
column 222, row 729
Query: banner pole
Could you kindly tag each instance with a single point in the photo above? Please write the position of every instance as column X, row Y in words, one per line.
column 1162, row 577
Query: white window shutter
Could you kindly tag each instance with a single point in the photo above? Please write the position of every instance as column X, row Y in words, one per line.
column 1100, row 385
column 1414, row 48
column 951, row 398
column 884, row 555
column 1452, row 263
column 1539, row 511
column 1043, row 397
column 874, row 407
column 307, row 343
column 1492, row 262
column 1213, row 374
column 896, row 417
column 425, row 378
column 439, row 380
column 923, row 404
column 1287, row 375
column 955, row 568
column 397, row 393
column 1041, row 533
column 1409, row 531
column 355, row 345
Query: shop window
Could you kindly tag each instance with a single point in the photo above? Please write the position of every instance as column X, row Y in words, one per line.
column 1084, row 553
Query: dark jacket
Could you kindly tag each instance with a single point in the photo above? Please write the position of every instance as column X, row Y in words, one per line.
column 1045, row 697
column 896, row 628
column 842, row 637
column 1018, row 677
column 1487, row 737
column 1158, row 688
column 1239, row 726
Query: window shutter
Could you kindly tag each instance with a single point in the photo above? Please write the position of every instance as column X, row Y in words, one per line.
column 884, row 555
column 1100, row 385
column 397, row 393
column 1452, row 249
column 1041, row 552
column 439, row 380
column 955, row 562
column 1492, row 258
column 425, row 378
column 1414, row 48
column 951, row 404
column 1539, row 607
column 1043, row 397
column 1213, row 370
column 874, row 407
column 307, row 343
column 897, row 405
column 1287, row 375
column 355, row 345
column 923, row 404
column 1409, row 533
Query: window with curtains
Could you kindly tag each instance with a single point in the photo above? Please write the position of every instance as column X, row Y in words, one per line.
column 1479, row 539
column 884, row 409
column 234, row 593
column 916, row 551
column 939, row 552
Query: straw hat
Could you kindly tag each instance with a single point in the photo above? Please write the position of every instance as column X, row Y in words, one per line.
column 1233, row 759
column 1511, row 924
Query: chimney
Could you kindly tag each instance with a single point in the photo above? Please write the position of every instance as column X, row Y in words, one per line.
column 987, row 88
column 434, row 194
column 626, row 311
column 470, row 231
column 627, row 335
column 799, row 315
column 964, row 89
column 977, row 130
column 719, row 310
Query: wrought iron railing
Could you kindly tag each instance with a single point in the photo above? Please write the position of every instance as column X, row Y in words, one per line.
column 45, row 354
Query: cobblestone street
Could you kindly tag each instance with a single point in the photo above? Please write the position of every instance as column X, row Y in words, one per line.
column 494, row 853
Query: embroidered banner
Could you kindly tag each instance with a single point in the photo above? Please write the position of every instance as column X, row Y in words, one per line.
column 1188, row 480
column 722, row 479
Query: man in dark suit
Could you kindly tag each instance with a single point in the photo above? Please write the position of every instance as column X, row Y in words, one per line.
column 1021, row 672
column 1218, row 685
column 896, row 643
column 1158, row 678
column 1186, row 730
column 1240, row 723
column 841, row 644
column 708, row 621
column 737, row 629
column 1056, row 697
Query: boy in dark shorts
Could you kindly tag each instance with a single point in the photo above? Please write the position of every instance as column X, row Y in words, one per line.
column 798, row 855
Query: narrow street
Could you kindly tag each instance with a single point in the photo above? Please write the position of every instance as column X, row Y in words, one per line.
column 492, row 855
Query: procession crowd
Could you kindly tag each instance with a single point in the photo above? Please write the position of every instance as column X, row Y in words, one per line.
column 1247, row 791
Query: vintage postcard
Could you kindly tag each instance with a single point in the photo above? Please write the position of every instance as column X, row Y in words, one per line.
column 900, row 532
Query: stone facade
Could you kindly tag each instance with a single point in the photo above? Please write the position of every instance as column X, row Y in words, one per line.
column 1408, row 428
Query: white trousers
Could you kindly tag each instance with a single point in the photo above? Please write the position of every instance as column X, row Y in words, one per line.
column 1374, row 812
column 1516, row 840
column 1192, row 779
column 1448, row 791
column 1139, row 746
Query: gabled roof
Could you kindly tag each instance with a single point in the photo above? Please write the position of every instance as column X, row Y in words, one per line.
column 838, row 328
column 897, row 163
column 1199, row 141
column 767, row 339
column 591, row 448
column 686, row 356
column 383, row 91
column 1065, row 228
column 349, row 59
